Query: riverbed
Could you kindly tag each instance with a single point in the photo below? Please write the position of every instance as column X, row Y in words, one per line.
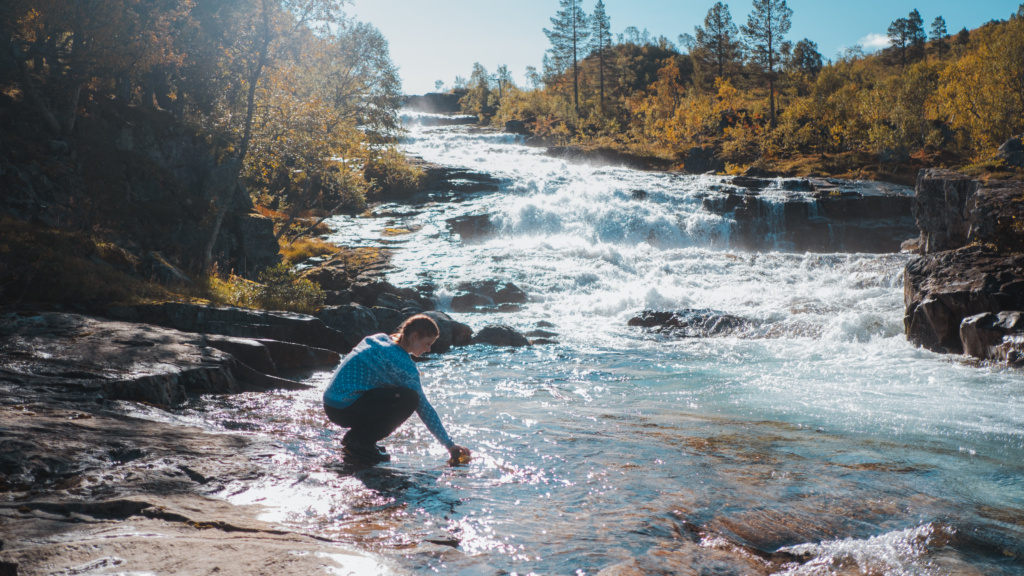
column 817, row 441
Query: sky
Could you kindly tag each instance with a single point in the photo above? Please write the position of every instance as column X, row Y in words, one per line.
column 440, row 40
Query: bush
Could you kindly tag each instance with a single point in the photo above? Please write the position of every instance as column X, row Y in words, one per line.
column 278, row 288
column 391, row 176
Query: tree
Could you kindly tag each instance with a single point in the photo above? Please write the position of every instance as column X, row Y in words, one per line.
column 503, row 81
column 939, row 35
column 478, row 97
column 907, row 37
column 61, row 46
column 568, row 37
column 982, row 92
column 600, row 43
column 916, row 34
column 765, row 30
column 718, row 39
column 806, row 58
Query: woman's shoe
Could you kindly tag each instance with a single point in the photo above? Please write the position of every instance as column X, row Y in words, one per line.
column 364, row 452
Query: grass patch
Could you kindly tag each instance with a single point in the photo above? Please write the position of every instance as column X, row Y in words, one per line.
column 303, row 249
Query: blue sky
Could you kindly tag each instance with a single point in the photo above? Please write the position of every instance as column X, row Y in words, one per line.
column 442, row 39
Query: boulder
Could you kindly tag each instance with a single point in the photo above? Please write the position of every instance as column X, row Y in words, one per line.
column 353, row 321
column 1012, row 152
column 941, row 290
column 517, row 127
column 389, row 319
column 500, row 335
column 701, row 160
column 991, row 336
column 471, row 227
column 452, row 333
column 476, row 295
column 690, row 323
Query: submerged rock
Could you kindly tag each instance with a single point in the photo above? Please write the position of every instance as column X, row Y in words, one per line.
column 690, row 323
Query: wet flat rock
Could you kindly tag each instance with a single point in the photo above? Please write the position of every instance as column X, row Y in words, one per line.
column 98, row 491
column 107, row 359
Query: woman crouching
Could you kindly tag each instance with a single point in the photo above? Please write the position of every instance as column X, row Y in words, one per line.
column 377, row 387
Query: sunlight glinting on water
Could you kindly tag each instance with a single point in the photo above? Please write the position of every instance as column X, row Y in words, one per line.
column 814, row 430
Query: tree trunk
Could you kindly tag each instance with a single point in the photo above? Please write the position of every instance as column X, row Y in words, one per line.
column 224, row 205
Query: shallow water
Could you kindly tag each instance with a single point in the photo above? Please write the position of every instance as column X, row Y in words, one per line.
column 817, row 441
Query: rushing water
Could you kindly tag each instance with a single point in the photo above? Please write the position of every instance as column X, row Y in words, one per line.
column 817, row 442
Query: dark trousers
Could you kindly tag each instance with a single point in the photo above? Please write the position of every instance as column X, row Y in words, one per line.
column 375, row 414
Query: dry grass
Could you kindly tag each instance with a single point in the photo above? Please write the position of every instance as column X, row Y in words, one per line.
column 303, row 249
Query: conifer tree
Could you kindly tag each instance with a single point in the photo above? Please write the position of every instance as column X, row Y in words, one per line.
column 806, row 58
column 719, row 38
column 939, row 34
column 766, row 27
column 916, row 35
column 600, row 43
column 568, row 37
column 907, row 37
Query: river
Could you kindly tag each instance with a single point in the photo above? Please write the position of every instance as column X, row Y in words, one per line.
column 818, row 442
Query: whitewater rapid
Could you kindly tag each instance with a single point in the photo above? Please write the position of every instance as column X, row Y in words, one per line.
column 818, row 441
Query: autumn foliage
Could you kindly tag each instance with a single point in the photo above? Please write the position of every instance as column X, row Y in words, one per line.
column 950, row 101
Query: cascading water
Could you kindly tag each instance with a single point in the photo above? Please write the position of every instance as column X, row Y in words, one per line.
column 815, row 441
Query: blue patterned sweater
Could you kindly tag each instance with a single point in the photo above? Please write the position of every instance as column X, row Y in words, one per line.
column 378, row 362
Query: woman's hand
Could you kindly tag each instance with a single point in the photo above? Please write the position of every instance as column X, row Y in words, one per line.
column 459, row 455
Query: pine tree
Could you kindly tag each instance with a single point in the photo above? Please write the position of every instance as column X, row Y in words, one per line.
column 916, row 36
column 718, row 38
column 766, row 27
column 568, row 37
column 806, row 58
column 939, row 34
column 600, row 42
column 907, row 37
column 899, row 40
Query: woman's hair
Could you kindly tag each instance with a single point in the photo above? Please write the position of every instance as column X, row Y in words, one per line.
column 418, row 324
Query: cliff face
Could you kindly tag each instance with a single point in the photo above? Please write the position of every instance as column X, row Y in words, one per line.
column 136, row 177
column 962, row 292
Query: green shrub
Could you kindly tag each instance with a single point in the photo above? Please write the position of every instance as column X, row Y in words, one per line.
column 391, row 176
column 278, row 288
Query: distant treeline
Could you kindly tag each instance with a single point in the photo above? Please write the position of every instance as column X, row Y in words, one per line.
column 755, row 97
column 293, row 92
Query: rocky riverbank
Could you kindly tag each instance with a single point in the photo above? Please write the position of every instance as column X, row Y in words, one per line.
column 87, row 484
column 964, row 293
